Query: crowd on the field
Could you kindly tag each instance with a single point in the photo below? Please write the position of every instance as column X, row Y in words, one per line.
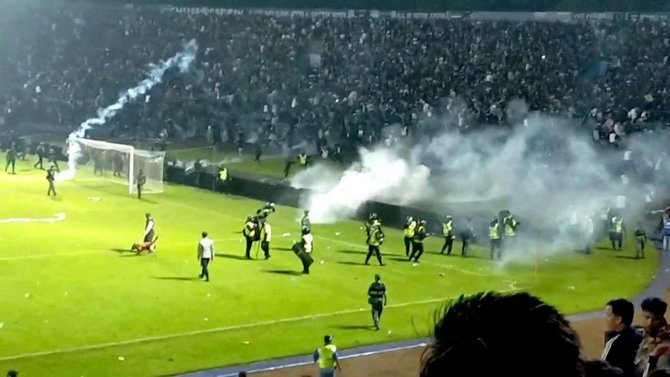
column 272, row 78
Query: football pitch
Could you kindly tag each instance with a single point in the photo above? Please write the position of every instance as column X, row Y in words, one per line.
column 77, row 303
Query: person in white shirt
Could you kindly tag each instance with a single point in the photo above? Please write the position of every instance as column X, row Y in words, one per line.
column 205, row 255
column 149, row 231
column 266, row 237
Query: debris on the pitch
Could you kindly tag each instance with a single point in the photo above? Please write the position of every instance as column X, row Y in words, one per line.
column 414, row 264
column 94, row 198
column 337, row 233
column 2, row 325
column 206, row 319
column 388, row 333
column 27, row 295
column 322, row 262
column 246, row 342
column 121, row 358
column 441, row 273
column 65, row 293
column 286, row 235
column 572, row 288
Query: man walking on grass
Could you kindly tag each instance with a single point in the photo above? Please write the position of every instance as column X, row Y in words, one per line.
column 205, row 255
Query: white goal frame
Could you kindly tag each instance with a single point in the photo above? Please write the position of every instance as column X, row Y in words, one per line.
column 131, row 152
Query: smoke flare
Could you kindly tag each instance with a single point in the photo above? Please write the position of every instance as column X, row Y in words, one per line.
column 182, row 60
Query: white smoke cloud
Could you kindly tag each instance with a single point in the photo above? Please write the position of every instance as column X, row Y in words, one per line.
column 381, row 174
column 182, row 60
column 552, row 177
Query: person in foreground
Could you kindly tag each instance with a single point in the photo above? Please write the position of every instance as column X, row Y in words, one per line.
column 492, row 334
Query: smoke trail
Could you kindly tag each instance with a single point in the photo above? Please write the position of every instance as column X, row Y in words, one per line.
column 182, row 60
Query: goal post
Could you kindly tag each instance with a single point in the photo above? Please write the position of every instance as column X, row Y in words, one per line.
column 121, row 163
column 152, row 164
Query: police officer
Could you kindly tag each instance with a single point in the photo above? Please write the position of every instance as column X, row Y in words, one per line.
column 303, row 250
column 408, row 230
column 51, row 178
column 641, row 241
column 417, row 242
column 302, row 159
column 326, row 357
column 10, row 157
column 377, row 299
column 223, row 177
column 249, row 232
column 375, row 239
column 616, row 233
column 495, row 239
column 448, row 232
column 372, row 217
column 509, row 225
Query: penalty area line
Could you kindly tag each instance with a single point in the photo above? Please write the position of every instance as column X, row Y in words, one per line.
column 218, row 330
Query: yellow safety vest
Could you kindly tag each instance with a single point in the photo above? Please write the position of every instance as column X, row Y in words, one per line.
column 409, row 231
column 618, row 226
column 494, row 233
column 303, row 159
column 223, row 174
column 327, row 357
column 509, row 230
column 447, row 228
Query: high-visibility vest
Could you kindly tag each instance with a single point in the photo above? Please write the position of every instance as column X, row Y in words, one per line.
column 509, row 226
column 618, row 226
column 409, row 230
column 494, row 232
column 447, row 228
column 375, row 232
column 327, row 357
column 303, row 159
column 223, row 174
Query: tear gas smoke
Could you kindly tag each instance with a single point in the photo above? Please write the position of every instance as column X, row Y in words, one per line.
column 181, row 60
column 553, row 178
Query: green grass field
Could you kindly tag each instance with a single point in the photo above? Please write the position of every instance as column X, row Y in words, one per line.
column 76, row 304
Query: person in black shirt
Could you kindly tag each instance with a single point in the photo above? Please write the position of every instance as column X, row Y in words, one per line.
column 52, row 158
column 467, row 236
column 11, row 159
column 51, row 177
column 40, row 151
column 141, row 180
column 377, row 299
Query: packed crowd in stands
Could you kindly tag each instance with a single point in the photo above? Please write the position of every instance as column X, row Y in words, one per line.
column 264, row 78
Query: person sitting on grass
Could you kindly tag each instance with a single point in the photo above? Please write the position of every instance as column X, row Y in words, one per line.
column 149, row 246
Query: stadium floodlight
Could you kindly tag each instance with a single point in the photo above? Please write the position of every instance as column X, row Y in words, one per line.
column 125, row 162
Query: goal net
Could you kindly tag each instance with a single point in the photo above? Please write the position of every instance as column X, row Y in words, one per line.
column 121, row 163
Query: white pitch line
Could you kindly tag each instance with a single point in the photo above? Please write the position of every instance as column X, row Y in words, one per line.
column 352, row 356
column 220, row 329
